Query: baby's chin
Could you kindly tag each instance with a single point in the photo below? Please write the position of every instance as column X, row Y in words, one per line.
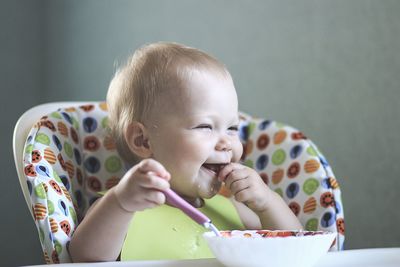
column 210, row 191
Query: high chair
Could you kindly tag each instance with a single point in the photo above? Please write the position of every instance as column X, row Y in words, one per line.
column 65, row 156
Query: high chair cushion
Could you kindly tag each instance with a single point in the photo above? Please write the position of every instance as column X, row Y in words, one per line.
column 291, row 165
column 70, row 157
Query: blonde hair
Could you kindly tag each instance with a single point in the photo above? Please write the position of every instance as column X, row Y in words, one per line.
column 151, row 70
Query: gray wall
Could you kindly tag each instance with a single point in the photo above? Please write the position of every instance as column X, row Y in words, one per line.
column 330, row 68
column 21, row 76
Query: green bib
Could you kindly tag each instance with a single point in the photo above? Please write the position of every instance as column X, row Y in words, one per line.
column 167, row 233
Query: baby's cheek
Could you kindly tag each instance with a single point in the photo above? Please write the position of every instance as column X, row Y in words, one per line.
column 237, row 149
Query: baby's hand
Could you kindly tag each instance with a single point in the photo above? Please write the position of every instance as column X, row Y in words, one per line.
column 140, row 188
column 246, row 186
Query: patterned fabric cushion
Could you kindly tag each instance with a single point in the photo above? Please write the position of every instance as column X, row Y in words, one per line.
column 293, row 167
column 70, row 158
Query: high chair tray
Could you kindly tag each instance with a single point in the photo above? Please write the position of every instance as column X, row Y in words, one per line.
column 376, row 257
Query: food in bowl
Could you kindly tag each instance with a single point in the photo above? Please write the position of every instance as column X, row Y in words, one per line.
column 254, row 248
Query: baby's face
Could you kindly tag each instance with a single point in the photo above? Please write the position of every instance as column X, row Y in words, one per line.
column 194, row 133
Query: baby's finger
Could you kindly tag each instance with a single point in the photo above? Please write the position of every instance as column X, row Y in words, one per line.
column 223, row 174
column 150, row 180
column 155, row 197
column 151, row 165
column 243, row 196
column 238, row 185
column 234, row 176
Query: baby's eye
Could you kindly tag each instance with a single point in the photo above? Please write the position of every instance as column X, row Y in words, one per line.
column 234, row 128
column 204, row 126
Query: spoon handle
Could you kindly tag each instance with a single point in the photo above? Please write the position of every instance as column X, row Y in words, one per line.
column 175, row 200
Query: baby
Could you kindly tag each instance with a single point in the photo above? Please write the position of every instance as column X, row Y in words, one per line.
column 173, row 111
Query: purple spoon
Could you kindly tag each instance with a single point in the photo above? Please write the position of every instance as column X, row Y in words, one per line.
column 175, row 200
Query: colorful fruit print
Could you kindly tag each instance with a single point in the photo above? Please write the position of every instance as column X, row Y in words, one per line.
column 70, row 168
column 42, row 170
column 40, row 211
column 310, row 186
column 264, row 125
column 73, row 215
column 53, row 225
column 89, row 124
column 43, row 139
column 75, row 123
column 68, row 149
column 103, row 106
column 55, row 186
column 58, row 247
column 30, row 170
column 91, row 143
column 113, row 164
column 87, row 108
column 28, row 149
column 40, row 192
column 311, row 151
column 62, row 128
column 104, row 122
column 328, row 219
column 278, row 157
column 109, row 143
column 66, row 193
column 94, row 184
column 92, row 164
column 61, row 161
column 74, row 135
column 340, row 225
column 248, row 147
column 67, row 117
column 63, row 207
column 50, row 207
column 54, row 257
column 55, row 115
column 36, row 156
column 57, row 142
column 77, row 156
column 310, row 205
column 312, row 224
column 295, row 207
column 298, row 136
column 262, row 162
column 293, row 170
column 292, row 190
column 296, row 151
column 311, row 166
column 262, row 141
column 50, row 156
column 264, row 177
column 277, row 176
column 327, row 200
column 334, row 183
column 279, row 137
column 48, row 124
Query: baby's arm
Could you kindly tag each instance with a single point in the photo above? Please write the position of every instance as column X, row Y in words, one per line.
column 100, row 236
column 248, row 188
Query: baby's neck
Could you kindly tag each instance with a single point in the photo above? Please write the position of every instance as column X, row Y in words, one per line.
column 197, row 202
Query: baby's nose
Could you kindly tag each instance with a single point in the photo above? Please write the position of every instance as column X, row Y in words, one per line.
column 224, row 144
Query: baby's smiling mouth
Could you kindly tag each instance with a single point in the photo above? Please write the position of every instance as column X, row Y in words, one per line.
column 214, row 167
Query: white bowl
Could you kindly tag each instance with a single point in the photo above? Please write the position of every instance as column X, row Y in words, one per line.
column 269, row 248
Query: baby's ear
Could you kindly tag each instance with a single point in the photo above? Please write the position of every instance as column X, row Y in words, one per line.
column 136, row 136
